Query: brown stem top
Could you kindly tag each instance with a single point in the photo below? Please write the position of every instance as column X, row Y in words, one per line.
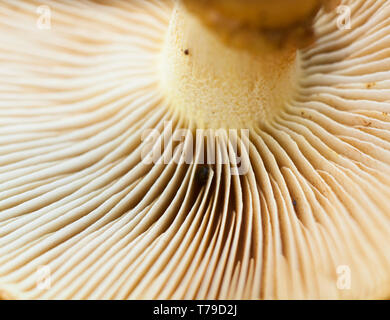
column 243, row 21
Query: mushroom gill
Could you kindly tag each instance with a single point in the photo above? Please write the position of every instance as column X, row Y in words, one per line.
column 300, row 183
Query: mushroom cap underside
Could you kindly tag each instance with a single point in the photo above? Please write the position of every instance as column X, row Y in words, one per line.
column 309, row 218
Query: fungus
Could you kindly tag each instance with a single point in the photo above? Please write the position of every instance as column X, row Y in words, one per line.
column 104, row 195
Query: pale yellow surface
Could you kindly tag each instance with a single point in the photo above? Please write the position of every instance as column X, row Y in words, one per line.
column 219, row 86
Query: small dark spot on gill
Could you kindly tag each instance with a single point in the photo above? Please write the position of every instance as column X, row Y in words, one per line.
column 202, row 175
column 367, row 123
column 294, row 202
column 186, row 52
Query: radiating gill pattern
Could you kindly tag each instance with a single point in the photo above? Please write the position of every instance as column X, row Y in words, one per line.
column 75, row 196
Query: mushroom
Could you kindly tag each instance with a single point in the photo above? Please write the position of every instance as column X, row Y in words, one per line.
column 109, row 120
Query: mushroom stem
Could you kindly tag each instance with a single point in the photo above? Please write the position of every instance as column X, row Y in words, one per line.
column 253, row 22
column 219, row 86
